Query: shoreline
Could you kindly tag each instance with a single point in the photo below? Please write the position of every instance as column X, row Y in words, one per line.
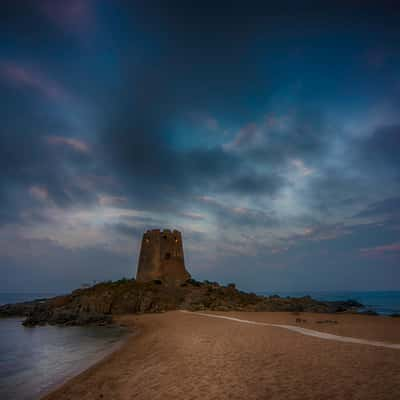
column 99, row 359
column 147, row 349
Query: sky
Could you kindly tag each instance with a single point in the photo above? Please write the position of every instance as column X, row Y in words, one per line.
column 267, row 132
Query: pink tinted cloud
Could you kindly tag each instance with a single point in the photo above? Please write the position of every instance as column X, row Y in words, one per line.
column 70, row 15
column 39, row 192
column 22, row 76
column 75, row 144
column 111, row 201
column 319, row 233
column 275, row 121
column 301, row 167
column 193, row 216
column 244, row 137
column 205, row 120
column 381, row 250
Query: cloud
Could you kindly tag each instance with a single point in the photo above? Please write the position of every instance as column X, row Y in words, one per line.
column 138, row 142
column 205, row 120
column 73, row 15
column 76, row 144
column 393, row 248
column 34, row 174
column 387, row 208
column 111, row 201
column 39, row 193
column 255, row 184
column 38, row 264
column 243, row 138
column 379, row 149
column 128, row 230
column 321, row 232
column 235, row 217
column 192, row 216
column 300, row 166
column 25, row 77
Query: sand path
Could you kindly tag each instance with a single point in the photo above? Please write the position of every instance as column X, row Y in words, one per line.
column 307, row 332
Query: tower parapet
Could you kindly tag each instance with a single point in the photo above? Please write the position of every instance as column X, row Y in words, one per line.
column 161, row 257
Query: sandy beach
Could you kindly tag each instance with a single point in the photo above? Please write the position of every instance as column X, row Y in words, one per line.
column 178, row 355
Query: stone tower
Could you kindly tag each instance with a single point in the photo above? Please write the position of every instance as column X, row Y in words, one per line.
column 161, row 257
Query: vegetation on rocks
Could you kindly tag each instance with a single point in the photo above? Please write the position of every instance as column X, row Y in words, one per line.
column 98, row 303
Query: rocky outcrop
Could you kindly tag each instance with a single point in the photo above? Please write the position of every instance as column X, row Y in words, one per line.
column 20, row 309
column 67, row 317
column 97, row 304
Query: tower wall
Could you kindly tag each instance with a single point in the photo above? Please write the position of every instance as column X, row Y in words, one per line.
column 161, row 257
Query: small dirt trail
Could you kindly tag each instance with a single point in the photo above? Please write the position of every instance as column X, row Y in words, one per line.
column 303, row 331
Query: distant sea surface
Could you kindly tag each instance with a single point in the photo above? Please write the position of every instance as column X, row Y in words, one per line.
column 36, row 360
column 383, row 302
column 11, row 298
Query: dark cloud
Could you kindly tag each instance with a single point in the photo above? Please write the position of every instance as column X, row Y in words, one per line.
column 140, row 144
column 237, row 219
column 29, row 158
column 305, row 134
column 134, row 226
column 388, row 208
column 128, row 230
column 379, row 150
column 255, row 184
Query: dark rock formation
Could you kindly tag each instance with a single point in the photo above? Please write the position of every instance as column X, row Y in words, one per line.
column 344, row 306
column 369, row 312
column 20, row 309
column 66, row 317
column 98, row 303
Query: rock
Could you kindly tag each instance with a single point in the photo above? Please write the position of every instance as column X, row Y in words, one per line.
column 97, row 304
column 19, row 309
column 344, row 306
column 369, row 312
column 39, row 315
column 65, row 316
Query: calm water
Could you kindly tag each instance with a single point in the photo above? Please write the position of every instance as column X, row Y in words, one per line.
column 383, row 302
column 10, row 298
column 34, row 360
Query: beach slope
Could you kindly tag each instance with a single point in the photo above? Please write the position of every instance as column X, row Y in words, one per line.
column 178, row 355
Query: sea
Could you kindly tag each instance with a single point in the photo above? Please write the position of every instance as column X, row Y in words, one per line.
column 36, row 360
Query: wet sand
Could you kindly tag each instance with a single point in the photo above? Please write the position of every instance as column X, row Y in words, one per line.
column 179, row 355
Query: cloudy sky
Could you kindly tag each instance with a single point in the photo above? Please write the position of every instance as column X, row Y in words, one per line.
column 269, row 134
